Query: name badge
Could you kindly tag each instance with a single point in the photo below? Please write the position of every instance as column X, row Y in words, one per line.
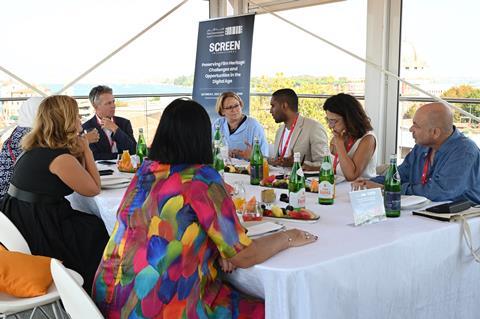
column 367, row 206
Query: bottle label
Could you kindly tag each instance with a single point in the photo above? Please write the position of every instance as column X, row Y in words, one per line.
column 300, row 172
column 392, row 201
column 297, row 199
column 326, row 166
column 256, row 172
column 325, row 190
column 396, row 177
column 224, row 151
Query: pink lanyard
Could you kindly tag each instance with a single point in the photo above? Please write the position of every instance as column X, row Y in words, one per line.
column 285, row 145
column 109, row 138
column 425, row 168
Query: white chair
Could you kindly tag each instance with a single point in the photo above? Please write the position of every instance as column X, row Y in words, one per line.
column 10, row 237
column 13, row 240
column 76, row 301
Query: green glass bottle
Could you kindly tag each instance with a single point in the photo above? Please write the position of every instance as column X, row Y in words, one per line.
column 296, row 184
column 218, row 162
column 392, row 189
column 217, row 136
column 141, row 146
column 256, row 163
column 326, row 182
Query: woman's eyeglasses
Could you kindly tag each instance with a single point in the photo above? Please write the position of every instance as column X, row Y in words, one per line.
column 231, row 107
column 332, row 122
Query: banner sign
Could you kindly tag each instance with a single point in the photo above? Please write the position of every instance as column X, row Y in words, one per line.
column 224, row 49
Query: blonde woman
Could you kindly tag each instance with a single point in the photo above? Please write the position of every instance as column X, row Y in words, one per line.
column 56, row 162
column 238, row 129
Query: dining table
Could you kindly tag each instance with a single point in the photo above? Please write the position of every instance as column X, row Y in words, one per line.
column 405, row 267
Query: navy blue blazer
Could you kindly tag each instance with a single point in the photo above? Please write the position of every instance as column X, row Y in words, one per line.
column 123, row 137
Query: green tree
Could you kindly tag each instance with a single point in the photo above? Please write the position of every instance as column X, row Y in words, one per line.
column 309, row 107
column 183, row 80
column 411, row 111
column 464, row 91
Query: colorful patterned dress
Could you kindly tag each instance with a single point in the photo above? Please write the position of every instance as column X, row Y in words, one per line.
column 173, row 223
column 11, row 150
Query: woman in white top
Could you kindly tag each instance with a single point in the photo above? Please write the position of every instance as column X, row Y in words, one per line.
column 353, row 144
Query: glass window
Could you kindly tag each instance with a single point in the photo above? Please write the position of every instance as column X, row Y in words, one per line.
column 50, row 43
column 284, row 56
column 439, row 54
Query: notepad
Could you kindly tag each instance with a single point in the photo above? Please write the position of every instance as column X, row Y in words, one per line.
column 471, row 212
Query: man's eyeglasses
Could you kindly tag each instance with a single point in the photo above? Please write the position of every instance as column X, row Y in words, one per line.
column 231, row 107
column 332, row 122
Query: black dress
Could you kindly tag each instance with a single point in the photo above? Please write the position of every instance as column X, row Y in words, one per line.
column 52, row 227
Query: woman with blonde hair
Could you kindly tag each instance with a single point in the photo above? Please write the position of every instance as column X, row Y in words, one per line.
column 238, row 129
column 56, row 162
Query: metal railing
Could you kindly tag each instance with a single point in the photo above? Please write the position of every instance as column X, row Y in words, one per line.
column 265, row 94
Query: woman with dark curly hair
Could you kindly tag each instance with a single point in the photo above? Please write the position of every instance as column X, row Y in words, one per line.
column 354, row 143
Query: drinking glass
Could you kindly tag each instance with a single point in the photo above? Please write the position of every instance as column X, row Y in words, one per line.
column 239, row 196
column 255, row 215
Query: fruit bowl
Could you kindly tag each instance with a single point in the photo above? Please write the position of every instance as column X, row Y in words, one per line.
column 125, row 164
column 271, row 181
column 290, row 213
column 126, row 169
column 236, row 169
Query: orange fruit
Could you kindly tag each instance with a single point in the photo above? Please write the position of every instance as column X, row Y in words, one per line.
column 251, row 204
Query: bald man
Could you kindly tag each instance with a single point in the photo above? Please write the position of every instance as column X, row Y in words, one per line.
column 444, row 164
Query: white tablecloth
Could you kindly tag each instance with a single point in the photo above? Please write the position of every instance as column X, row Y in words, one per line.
column 408, row 267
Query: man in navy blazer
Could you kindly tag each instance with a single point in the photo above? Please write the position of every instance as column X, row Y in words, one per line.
column 108, row 134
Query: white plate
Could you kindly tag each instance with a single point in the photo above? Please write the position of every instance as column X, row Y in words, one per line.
column 110, row 180
column 338, row 179
column 263, row 228
column 123, row 185
column 409, row 201
column 293, row 220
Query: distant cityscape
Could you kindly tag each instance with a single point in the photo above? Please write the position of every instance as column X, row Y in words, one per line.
column 146, row 112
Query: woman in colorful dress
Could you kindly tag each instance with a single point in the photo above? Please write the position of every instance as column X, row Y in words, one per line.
column 11, row 148
column 177, row 229
column 354, row 143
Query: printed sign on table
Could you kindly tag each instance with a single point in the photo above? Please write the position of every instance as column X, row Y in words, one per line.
column 367, row 206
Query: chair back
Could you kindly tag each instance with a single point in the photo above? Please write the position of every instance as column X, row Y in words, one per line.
column 11, row 237
column 76, row 301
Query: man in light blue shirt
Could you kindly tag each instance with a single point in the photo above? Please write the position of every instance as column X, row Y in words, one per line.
column 444, row 165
